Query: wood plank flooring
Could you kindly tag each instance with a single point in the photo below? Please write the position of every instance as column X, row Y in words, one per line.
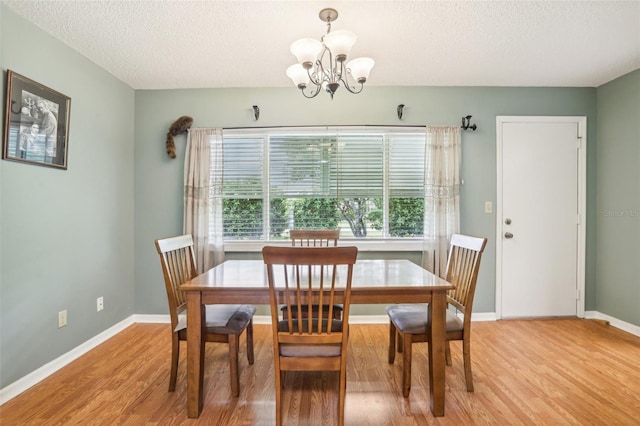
column 529, row 372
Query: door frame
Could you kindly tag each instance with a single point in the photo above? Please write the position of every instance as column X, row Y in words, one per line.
column 581, row 122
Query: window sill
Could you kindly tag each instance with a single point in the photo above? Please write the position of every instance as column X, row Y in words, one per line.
column 363, row 245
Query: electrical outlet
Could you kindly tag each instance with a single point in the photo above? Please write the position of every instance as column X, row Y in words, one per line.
column 488, row 207
column 62, row 318
column 100, row 303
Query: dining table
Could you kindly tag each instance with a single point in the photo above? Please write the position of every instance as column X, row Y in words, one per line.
column 374, row 281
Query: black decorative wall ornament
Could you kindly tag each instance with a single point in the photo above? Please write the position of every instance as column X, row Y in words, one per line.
column 466, row 123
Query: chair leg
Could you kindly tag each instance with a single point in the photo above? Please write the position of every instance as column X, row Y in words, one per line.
column 175, row 356
column 250, row 357
column 399, row 343
column 406, row 364
column 279, row 385
column 341, row 395
column 447, row 353
column 466, row 353
column 233, row 364
column 392, row 342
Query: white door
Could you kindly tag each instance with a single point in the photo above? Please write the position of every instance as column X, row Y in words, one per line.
column 540, row 225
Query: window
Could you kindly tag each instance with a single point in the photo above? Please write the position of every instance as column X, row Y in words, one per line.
column 367, row 182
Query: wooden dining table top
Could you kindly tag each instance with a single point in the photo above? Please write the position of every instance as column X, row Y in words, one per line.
column 374, row 281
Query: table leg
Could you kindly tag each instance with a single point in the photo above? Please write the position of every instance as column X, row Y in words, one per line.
column 437, row 323
column 195, row 353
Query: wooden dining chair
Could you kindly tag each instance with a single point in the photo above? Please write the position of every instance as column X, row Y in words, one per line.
column 224, row 323
column 301, row 277
column 315, row 238
column 409, row 321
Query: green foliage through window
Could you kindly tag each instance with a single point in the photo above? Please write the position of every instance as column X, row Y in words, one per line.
column 242, row 219
column 406, row 217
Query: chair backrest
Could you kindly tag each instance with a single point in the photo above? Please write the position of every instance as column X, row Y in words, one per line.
column 314, row 237
column 178, row 266
column 300, row 277
column 465, row 253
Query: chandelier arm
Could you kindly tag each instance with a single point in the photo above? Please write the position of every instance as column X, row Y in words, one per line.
column 324, row 74
column 313, row 94
column 316, row 78
column 344, row 76
column 349, row 89
column 336, row 74
column 337, row 69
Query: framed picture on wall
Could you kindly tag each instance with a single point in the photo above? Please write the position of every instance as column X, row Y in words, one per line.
column 36, row 127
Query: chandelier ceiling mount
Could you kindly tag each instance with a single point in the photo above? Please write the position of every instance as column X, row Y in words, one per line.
column 321, row 64
column 328, row 15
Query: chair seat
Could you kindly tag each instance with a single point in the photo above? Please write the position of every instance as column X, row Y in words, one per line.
column 336, row 326
column 223, row 319
column 412, row 318
column 325, row 308
column 309, row 351
column 336, row 313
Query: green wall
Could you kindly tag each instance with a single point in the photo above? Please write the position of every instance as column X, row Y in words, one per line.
column 66, row 235
column 618, row 203
column 158, row 179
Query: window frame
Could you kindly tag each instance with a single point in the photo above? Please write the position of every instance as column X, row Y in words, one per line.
column 364, row 244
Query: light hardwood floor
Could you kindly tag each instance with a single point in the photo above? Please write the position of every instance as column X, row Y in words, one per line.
column 531, row 372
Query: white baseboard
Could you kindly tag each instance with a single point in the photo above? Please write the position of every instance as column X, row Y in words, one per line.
column 484, row 316
column 152, row 319
column 16, row 388
column 33, row 378
column 368, row 319
column 622, row 325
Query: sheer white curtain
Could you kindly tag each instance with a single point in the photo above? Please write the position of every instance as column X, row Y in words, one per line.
column 203, row 195
column 441, row 195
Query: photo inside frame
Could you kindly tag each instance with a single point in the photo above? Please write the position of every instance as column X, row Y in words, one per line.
column 36, row 123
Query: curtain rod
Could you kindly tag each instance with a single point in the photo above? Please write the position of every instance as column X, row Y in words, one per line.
column 420, row 126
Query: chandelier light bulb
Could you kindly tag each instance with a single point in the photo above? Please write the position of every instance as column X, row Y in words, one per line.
column 298, row 75
column 340, row 43
column 306, row 50
column 360, row 68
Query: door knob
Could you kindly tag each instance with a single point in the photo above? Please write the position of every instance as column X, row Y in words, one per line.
column 507, row 221
column 508, row 235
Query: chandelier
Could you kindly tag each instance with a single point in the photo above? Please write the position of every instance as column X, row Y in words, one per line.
column 322, row 63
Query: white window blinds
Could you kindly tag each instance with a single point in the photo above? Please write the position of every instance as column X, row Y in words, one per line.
column 369, row 181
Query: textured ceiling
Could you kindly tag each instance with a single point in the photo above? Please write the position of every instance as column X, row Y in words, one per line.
column 166, row 44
